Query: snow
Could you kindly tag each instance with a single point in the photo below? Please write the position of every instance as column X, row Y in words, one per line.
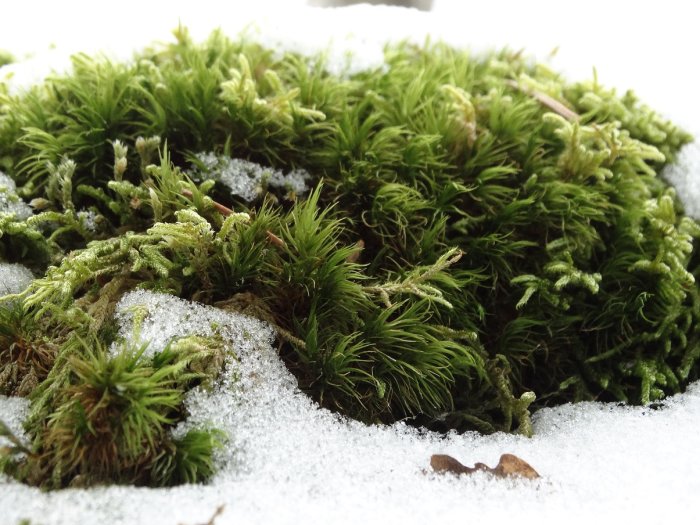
column 88, row 220
column 247, row 179
column 14, row 278
column 13, row 410
column 287, row 460
column 10, row 202
column 683, row 175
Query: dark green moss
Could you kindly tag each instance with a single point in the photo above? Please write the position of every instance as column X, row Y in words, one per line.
column 103, row 418
column 482, row 233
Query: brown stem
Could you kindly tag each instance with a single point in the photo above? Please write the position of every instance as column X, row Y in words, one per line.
column 547, row 101
column 274, row 240
column 223, row 210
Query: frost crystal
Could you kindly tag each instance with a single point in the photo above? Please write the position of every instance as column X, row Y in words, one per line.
column 88, row 219
column 249, row 180
column 10, row 202
column 14, row 278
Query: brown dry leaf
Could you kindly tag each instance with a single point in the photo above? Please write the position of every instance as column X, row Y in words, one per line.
column 508, row 465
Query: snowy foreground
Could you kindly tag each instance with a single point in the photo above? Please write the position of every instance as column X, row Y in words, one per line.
column 287, row 461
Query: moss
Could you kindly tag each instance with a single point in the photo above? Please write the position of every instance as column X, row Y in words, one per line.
column 5, row 58
column 26, row 355
column 482, row 238
column 106, row 417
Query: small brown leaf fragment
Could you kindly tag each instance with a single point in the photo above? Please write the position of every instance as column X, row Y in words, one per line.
column 508, row 465
column 275, row 240
column 357, row 251
column 443, row 463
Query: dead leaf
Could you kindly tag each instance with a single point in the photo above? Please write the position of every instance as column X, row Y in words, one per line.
column 508, row 465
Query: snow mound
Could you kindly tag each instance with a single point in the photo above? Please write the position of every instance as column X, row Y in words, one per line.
column 289, row 461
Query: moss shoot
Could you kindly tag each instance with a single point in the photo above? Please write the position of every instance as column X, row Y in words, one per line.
column 450, row 239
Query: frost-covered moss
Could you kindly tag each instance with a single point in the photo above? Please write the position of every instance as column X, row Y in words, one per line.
column 481, row 235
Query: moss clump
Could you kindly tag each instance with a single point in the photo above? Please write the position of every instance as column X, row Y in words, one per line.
column 26, row 356
column 475, row 234
column 105, row 417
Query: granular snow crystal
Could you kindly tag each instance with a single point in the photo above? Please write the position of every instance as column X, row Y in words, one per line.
column 10, row 202
column 288, row 461
column 14, row 278
column 249, row 180
column 684, row 176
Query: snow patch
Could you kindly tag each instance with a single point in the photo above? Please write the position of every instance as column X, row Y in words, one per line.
column 249, row 180
column 13, row 411
column 14, row 278
column 684, row 175
column 289, row 461
column 10, row 202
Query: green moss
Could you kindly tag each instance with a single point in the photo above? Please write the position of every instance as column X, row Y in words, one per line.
column 5, row 58
column 102, row 418
column 483, row 238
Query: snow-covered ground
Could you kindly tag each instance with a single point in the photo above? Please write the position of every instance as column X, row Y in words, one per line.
column 289, row 461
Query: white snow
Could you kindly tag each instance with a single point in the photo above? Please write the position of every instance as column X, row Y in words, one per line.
column 10, row 202
column 14, row 278
column 13, row 410
column 247, row 179
column 88, row 220
column 684, row 175
column 288, row 461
